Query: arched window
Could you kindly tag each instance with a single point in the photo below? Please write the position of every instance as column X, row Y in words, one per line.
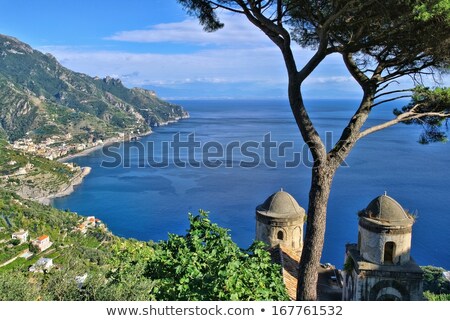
column 389, row 252
column 280, row 235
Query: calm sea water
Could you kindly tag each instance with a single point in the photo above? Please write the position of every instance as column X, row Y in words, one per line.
column 147, row 203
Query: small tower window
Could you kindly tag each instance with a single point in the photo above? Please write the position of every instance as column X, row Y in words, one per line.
column 389, row 252
column 280, row 235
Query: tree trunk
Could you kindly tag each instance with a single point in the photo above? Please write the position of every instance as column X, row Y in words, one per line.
column 322, row 178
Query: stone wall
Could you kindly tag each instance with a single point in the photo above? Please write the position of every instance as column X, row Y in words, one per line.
column 286, row 232
column 373, row 244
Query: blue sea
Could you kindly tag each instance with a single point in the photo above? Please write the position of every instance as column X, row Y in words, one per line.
column 138, row 200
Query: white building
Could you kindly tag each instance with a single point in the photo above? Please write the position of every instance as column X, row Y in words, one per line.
column 43, row 264
column 21, row 235
column 42, row 242
column 90, row 220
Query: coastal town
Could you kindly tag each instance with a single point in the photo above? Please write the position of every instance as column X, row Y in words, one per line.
column 56, row 147
column 28, row 166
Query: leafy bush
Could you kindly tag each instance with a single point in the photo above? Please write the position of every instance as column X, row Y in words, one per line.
column 14, row 242
column 434, row 281
column 16, row 287
column 436, row 297
column 206, row 264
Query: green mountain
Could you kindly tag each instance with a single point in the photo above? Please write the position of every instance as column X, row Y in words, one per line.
column 40, row 98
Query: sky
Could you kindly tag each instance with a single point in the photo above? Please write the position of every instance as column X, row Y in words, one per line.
column 154, row 44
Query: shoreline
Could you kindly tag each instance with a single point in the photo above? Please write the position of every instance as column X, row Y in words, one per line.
column 47, row 200
column 107, row 142
column 69, row 189
column 113, row 140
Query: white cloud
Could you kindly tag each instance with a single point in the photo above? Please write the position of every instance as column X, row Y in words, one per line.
column 333, row 79
column 236, row 59
column 239, row 58
column 237, row 32
column 216, row 66
column 259, row 68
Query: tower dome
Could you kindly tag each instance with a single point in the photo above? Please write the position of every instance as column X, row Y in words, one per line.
column 281, row 205
column 279, row 221
column 385, row 232
column 385, row 211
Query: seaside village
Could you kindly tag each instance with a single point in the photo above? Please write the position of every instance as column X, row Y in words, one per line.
column 56, row 147
column 40, row 248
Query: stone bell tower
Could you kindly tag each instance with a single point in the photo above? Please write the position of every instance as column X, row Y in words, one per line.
column 380, row 266
column 279, row 221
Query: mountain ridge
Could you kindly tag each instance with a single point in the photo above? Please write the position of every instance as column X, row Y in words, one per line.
column 39, row 98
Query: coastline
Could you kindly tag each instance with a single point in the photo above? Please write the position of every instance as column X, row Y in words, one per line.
column 67, row 190
column 47, row 200
column 107, row 142
column 113, row 140
column 77, row 180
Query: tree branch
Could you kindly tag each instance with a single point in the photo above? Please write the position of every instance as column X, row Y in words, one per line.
column 269, row 24
column 350, row 133
column 320, row 55
column 359, row 76
column 281, row 37
column 221, row 6
column 404, row 70
column 387, row 85
column 323, row 49
column 280, row 12
column 401, row 118
column 273, row 35
column 393, row 92
column 336, row 15
column 391, row 99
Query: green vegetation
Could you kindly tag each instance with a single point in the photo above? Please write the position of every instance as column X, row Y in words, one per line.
column 40, row 98
column 428, row 10
column 436, row 287
column 436, row 297
column 436, row 102
column 204, row 264
column 349, row 265
column 9, row 250
column 39, row 177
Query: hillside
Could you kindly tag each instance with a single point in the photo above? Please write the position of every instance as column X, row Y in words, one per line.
column 89, row 263
column 35, row 177
column 40, row 98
